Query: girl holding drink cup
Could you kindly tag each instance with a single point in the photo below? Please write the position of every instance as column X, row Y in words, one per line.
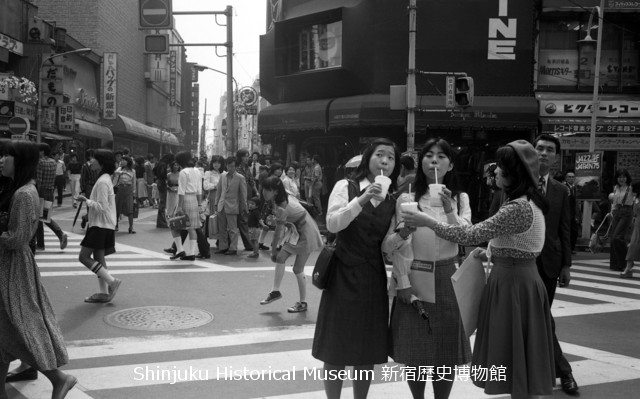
column 440, row 340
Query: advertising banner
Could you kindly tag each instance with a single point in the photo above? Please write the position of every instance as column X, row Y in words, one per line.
column 110, row 80
column 588, row 170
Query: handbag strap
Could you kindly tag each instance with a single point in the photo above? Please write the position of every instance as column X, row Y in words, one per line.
column 352, row 190
column 625, row 195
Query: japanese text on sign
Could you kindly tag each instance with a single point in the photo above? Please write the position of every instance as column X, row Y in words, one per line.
column 66, row 118
column 110, row 86
column 11, row 44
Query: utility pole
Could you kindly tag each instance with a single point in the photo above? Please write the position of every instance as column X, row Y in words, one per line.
column 231, row 117
column 411, row 79
column 203, row 130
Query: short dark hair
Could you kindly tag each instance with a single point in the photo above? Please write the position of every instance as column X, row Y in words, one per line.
column 232, row 160
column 89, row 154
column 274, row 183
column 184, row 159
column 275, row 166
column 44, row 147
column 548, row 137
column 106, row 159
column 316, row 158
column 294, row 164
column 129, row 162
column 115, row 154
column 407, row 162
column 241, row 153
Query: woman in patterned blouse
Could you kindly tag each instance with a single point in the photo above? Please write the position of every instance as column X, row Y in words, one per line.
column 514, row 320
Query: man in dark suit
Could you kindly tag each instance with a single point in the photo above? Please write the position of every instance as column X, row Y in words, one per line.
column 555, row 259
column 570, row 182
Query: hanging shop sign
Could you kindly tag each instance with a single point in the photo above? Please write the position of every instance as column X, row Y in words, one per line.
column 52, row 85
column 173, row 76
column 25, row 111
column 109, row 90
column 588, row 169
column 11, row 44
column 66, row 118
column 602, row 143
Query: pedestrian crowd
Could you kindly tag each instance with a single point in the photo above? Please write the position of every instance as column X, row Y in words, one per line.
column 417, row 216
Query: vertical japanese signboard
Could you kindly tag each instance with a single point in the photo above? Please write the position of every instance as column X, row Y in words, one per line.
column 66, row 119
column 172, row 77
column 588, row 175
column 52, row 88
column 109, row 90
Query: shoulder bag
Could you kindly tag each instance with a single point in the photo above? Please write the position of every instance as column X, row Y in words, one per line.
column 325, row 264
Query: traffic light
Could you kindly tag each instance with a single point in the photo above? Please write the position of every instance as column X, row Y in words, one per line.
column 156, row 44
column 464, row 91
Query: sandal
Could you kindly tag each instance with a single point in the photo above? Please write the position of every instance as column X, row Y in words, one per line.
column 97, row 298
column 114, row 288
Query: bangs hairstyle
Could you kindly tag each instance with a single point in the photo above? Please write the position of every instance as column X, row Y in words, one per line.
column 220, row 160
column 363, row 169
column 25, row 161
column 273, row 183
column 450, row 179
column 625, row 173
column 129, row 162
column 106, row 159
column 511, row 167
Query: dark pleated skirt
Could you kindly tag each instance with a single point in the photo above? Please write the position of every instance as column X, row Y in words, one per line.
column 514, row 331
column 99, row 238
column 447, row 344
column 352, row 319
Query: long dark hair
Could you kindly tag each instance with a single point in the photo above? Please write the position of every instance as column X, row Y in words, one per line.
column 521, row 184
column 450, row 180
column 274, row 183
column 363, row 169
column 25, row 163
column 220, row 160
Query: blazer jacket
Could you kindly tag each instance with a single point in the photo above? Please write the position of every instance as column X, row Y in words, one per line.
column 231, row 195
column 556, row 252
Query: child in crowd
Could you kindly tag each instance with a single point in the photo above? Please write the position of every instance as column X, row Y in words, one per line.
column 255, row 225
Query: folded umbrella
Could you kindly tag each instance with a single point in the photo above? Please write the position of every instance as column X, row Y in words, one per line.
column 77, row 213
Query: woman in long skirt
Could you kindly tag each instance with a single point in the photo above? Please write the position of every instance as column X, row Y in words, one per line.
column 29, row 330
column 514, row 319
column 189, row 201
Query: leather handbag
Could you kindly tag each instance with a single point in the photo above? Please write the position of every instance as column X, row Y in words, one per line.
column 179, row 222
column 135, row 209
column 324, row 267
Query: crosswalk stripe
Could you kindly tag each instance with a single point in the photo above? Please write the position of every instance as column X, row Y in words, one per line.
column 114, row 263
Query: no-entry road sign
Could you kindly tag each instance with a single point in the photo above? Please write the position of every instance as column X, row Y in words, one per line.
column 18, row 125
column 155, row 14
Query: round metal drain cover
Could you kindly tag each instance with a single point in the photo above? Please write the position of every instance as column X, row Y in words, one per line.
column 159, row 318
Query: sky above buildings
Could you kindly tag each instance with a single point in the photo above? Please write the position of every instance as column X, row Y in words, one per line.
column 249, row 18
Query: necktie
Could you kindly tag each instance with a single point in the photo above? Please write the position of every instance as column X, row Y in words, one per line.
column 541, row 186
column 254, row 169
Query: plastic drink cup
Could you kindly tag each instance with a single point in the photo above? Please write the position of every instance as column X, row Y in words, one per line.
column 434, row 194
column 409, row 207
column 385, row 182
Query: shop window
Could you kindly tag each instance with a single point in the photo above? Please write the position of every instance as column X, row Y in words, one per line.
column 563, row 65
column 311, row 44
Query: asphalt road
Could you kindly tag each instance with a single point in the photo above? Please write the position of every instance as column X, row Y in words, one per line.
column 138, row 345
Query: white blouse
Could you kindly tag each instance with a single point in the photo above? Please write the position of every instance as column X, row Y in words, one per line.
column 190, row 182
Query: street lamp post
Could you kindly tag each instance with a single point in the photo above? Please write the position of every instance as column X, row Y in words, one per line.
column 42, row 64
column 587, row 207
column 230, row 98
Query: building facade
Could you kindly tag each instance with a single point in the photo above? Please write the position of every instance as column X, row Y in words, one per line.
column 327, row 68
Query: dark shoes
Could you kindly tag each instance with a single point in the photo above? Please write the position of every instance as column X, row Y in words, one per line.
column 231, row 253
column 64, row 241
column 262, row 246
column 254, row 255
column 221, row 251
column 171, row 251
column 26, row 375
column 628, row 274
column 200, row 256
column 188, row 257
column 179, row 255
column 569, row 384
column 273, row 296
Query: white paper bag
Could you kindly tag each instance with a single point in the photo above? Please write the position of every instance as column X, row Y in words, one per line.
column 469, row 282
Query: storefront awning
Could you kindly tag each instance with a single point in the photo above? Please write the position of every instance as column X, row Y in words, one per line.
column 363, row 111
column 487, row 112
column 50, row 136
column 135, row 128
column 298, row 116
column 571, row 126
column 93, row 130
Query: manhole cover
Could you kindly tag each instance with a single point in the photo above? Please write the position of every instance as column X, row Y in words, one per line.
column 159, row 318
